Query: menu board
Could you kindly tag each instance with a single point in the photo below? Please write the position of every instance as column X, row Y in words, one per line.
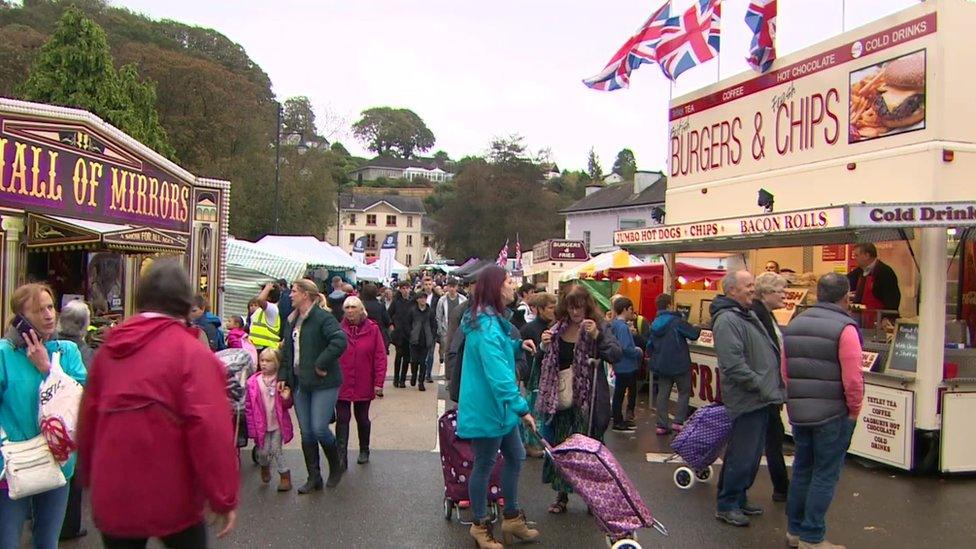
column 903, row 355
column 885, row 429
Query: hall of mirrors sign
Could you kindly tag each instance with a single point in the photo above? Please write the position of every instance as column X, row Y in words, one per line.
column 68, row 169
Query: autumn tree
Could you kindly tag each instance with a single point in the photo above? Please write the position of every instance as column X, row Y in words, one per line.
column 393, row 132
column 625, row 165
column 593, row 166
column 492, row 202
column 75, row 69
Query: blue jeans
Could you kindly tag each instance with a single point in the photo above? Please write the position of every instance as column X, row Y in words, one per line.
column 817, row 461
column 485, row 456
column 315, row 409
column 429, row 364
column 48, row 513
column 741, row 463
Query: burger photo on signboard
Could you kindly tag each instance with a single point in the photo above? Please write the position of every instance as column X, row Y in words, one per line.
column 888, row 98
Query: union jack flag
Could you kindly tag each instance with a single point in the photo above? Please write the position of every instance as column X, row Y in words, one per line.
column 502, row 260
column 761, row 18
column 691, row 39
column 636, row 51
column 518, row 255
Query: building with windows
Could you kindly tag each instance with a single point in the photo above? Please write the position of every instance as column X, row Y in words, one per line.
column 375, row 216
column 622, row 205
column 402, row 168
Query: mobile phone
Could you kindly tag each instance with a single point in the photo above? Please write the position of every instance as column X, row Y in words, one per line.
column 22, row 325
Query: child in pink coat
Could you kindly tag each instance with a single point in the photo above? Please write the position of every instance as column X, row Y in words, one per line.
column 268, row 420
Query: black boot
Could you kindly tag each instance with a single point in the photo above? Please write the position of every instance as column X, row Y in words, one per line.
column 363, row 443
column 342, row 444
column 314, row 482
column 335, row 470
column 413, row 374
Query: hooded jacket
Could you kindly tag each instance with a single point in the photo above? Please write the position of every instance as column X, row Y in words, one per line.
column 363, row 362
column 490, row 403
column 257, row 415
column 210, row 324
column 156, row 440
column 748, row 360
column 668, row 344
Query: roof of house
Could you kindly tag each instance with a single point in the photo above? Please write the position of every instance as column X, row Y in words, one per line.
column 360, row 202
column 621, row 195
column 398, row 163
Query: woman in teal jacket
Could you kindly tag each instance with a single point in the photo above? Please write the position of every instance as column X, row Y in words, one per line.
column 24, row 364
column 490, row 405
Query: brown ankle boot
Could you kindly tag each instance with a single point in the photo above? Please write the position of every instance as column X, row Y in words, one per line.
column 517, row 530
column 285, row 484
column 265, row 474
column 483, row 537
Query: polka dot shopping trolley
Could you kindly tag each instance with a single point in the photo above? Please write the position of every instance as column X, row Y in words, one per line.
column 457, row 460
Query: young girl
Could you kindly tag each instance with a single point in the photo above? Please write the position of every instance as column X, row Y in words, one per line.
column 268, row 420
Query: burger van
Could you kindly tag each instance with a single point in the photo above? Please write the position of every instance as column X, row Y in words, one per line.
column 867, row 138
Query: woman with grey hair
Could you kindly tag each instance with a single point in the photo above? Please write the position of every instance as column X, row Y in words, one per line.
column 770, row 295
column 73, row 326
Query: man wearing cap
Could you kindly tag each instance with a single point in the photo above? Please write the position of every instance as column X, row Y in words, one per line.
column 446, row 306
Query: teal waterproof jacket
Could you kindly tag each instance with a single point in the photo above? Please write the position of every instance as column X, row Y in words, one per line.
column 490, row 403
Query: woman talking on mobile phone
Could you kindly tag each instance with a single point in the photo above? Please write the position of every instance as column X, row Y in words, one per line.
column 27, row 352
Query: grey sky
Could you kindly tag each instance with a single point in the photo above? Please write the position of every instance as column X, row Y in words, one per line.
column 474, row 70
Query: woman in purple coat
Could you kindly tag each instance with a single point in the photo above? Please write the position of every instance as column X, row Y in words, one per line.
column 363, row 373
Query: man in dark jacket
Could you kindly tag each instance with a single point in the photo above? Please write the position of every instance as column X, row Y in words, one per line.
column 874, row 283
column 377, row 312
column 671, row 361
column 748, row 366
column 427, row 286
column 825, row 387
column 337, row 297
column 208, row 322
column 400, row 312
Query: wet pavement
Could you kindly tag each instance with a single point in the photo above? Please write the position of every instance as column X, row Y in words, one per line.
column 396, row 499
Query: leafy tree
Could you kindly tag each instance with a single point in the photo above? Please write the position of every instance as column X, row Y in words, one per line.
column 393, row 132
column 494, row 193
column 593, row 166
column 509, row 150
column 75, row 69
column 299, row 117
column 339, row 148
column 442, row 159
column 626, row 165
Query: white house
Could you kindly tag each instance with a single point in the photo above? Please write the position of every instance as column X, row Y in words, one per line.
column 622, row 205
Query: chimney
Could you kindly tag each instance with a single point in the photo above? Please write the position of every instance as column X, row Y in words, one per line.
column 592, row 188
column 644, row 180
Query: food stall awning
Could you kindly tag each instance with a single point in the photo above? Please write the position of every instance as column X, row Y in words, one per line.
column 248, row 255
column 610, row 260
column 51, row 232
column 776, row 230
column 308, row 249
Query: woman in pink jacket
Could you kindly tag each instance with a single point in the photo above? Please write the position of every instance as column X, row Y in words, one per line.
column 363, row 373
column 268, row 420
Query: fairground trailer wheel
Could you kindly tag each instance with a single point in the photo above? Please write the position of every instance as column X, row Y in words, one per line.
column 684, row 478
column 448, row 508
column 705, row 474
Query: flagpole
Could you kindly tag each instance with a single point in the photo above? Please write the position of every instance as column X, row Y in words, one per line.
column 843, row 15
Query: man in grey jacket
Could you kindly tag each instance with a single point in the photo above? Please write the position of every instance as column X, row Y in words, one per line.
column 748, row 363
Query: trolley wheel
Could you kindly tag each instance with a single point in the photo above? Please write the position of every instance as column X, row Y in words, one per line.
column 705, row 474
column 684, row 478
column 448, row 508
column 630, row 542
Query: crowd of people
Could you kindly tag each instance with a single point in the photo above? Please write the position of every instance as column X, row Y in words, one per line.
column 523, row 364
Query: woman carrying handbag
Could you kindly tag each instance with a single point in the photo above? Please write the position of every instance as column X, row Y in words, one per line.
column 573, row 392
column 28, row 353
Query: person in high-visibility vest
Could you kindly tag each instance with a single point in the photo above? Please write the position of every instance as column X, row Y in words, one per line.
column 265, row 320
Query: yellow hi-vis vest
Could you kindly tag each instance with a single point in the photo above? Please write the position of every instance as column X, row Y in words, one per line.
column 262, row 335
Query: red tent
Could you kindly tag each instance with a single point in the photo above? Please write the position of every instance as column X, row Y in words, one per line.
column 651, row 280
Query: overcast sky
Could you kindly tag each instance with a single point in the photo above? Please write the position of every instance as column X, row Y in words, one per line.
column 474, row 70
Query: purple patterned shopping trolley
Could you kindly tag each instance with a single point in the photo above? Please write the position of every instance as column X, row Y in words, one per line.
column 607, row 490
column 700, row 442
column 457, row 460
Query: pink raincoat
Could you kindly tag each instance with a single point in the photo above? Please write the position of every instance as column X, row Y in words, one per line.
column 257, row 416
column 364, row 361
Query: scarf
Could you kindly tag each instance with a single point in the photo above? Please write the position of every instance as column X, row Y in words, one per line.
column 582, row 373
